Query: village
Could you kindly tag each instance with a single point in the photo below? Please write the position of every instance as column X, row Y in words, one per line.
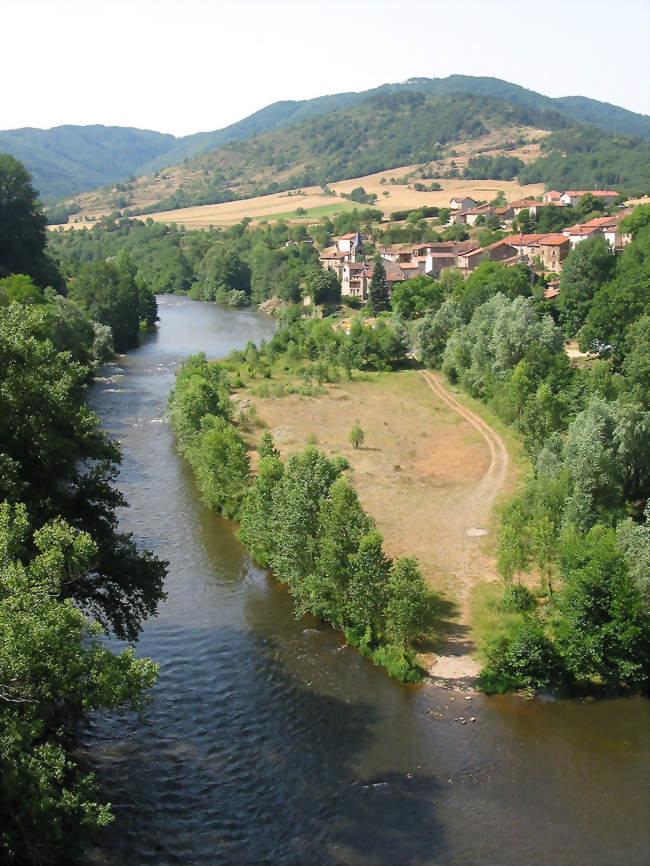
column 544, row 253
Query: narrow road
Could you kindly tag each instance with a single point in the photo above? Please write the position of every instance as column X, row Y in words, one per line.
column 455, row 667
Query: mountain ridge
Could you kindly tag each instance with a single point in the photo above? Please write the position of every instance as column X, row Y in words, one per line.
column 68, row 159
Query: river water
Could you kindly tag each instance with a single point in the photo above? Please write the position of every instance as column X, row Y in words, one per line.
column 267, row 741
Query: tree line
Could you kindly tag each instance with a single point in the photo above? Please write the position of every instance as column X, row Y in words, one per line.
column 67, row 573
column 581, row 521
column 303, row 519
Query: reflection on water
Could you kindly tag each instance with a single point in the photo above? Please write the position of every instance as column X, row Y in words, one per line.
column 267, row 741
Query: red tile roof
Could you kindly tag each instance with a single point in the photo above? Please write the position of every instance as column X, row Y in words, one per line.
column 553, row 240
column 551, row 293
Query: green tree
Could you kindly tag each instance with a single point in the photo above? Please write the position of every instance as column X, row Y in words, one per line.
column 21, row 288
column 22, row 227
column 219, row 459
column 378, row 296
column 357, row 436
column 324, row 287
column 637, row 363
column 416, row 296
column 54, row 458
column 606, row 632
column 54, row 671
column 587, row 267
column 114, row 295
column 406, row 602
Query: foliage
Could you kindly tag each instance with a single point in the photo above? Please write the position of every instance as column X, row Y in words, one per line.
column 416, row 296
column 378, row 296
column 114, row 295
column 200, row 413
column 587, row 267
column 54, row 458
column 605, row 631
column 53, row 671
column 357, row 436
column 324, row 287
column 22, row 227
column 499, row 167
column 306, row 522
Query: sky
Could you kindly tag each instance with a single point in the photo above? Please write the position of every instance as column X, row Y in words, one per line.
column 199, row 65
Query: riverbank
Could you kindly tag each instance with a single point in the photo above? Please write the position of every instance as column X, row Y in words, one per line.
column 267, row 741
column 429, row 471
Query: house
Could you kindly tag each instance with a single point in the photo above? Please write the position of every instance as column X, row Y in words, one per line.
column 609, row 226
column 332, row 259
column 525, row 245
column 553, row 250
column 580, row 232
column 552, row 197
column 501, row 250
column 530, row 204
column 354, row 280
column 573, row 196
column 460, row 202
column 474, row 213
column 552, row 291
column 504, row 214
column 350, row 243
column 437, row 261
column 471, row 259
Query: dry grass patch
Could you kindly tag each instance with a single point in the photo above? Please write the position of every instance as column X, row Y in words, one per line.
column 419, row 462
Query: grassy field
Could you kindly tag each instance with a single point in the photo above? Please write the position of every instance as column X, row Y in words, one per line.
column 417, row 473
column 313, row 213
column 276, row 206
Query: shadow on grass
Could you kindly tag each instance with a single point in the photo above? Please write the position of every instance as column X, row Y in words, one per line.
column 442, row 627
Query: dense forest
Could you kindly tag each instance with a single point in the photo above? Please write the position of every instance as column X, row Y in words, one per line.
column 67, row 573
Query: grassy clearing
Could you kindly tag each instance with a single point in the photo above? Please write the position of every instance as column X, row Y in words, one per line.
column 418, row 464
column 313, row 213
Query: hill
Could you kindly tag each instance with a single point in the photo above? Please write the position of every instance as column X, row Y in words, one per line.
column 383, row 132
column 67, row 160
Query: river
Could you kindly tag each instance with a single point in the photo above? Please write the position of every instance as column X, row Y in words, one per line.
column 267, row 741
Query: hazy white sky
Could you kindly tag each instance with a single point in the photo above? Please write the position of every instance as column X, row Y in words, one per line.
column 198, row 65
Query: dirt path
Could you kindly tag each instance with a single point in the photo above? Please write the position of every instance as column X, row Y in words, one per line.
column 455, row 667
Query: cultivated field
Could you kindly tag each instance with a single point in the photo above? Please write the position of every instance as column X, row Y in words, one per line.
column 390, row 196
column 283, row 206
column 425, row 472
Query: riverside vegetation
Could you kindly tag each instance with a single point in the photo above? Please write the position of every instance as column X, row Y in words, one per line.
column 304, row 520
column 495, row 336
column 67, row 574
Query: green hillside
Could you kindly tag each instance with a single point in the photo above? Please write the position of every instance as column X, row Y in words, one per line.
column 67, row 160
column 278, row 114
column 392, row 129
column 384, row 131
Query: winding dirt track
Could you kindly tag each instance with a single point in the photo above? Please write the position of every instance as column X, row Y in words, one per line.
column 455, row 667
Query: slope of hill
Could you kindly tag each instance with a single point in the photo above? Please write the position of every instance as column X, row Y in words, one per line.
column 383, row 132
column 68, row 159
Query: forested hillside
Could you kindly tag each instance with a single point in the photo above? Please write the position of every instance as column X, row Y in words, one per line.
column 384, row 132
column 69, row 159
